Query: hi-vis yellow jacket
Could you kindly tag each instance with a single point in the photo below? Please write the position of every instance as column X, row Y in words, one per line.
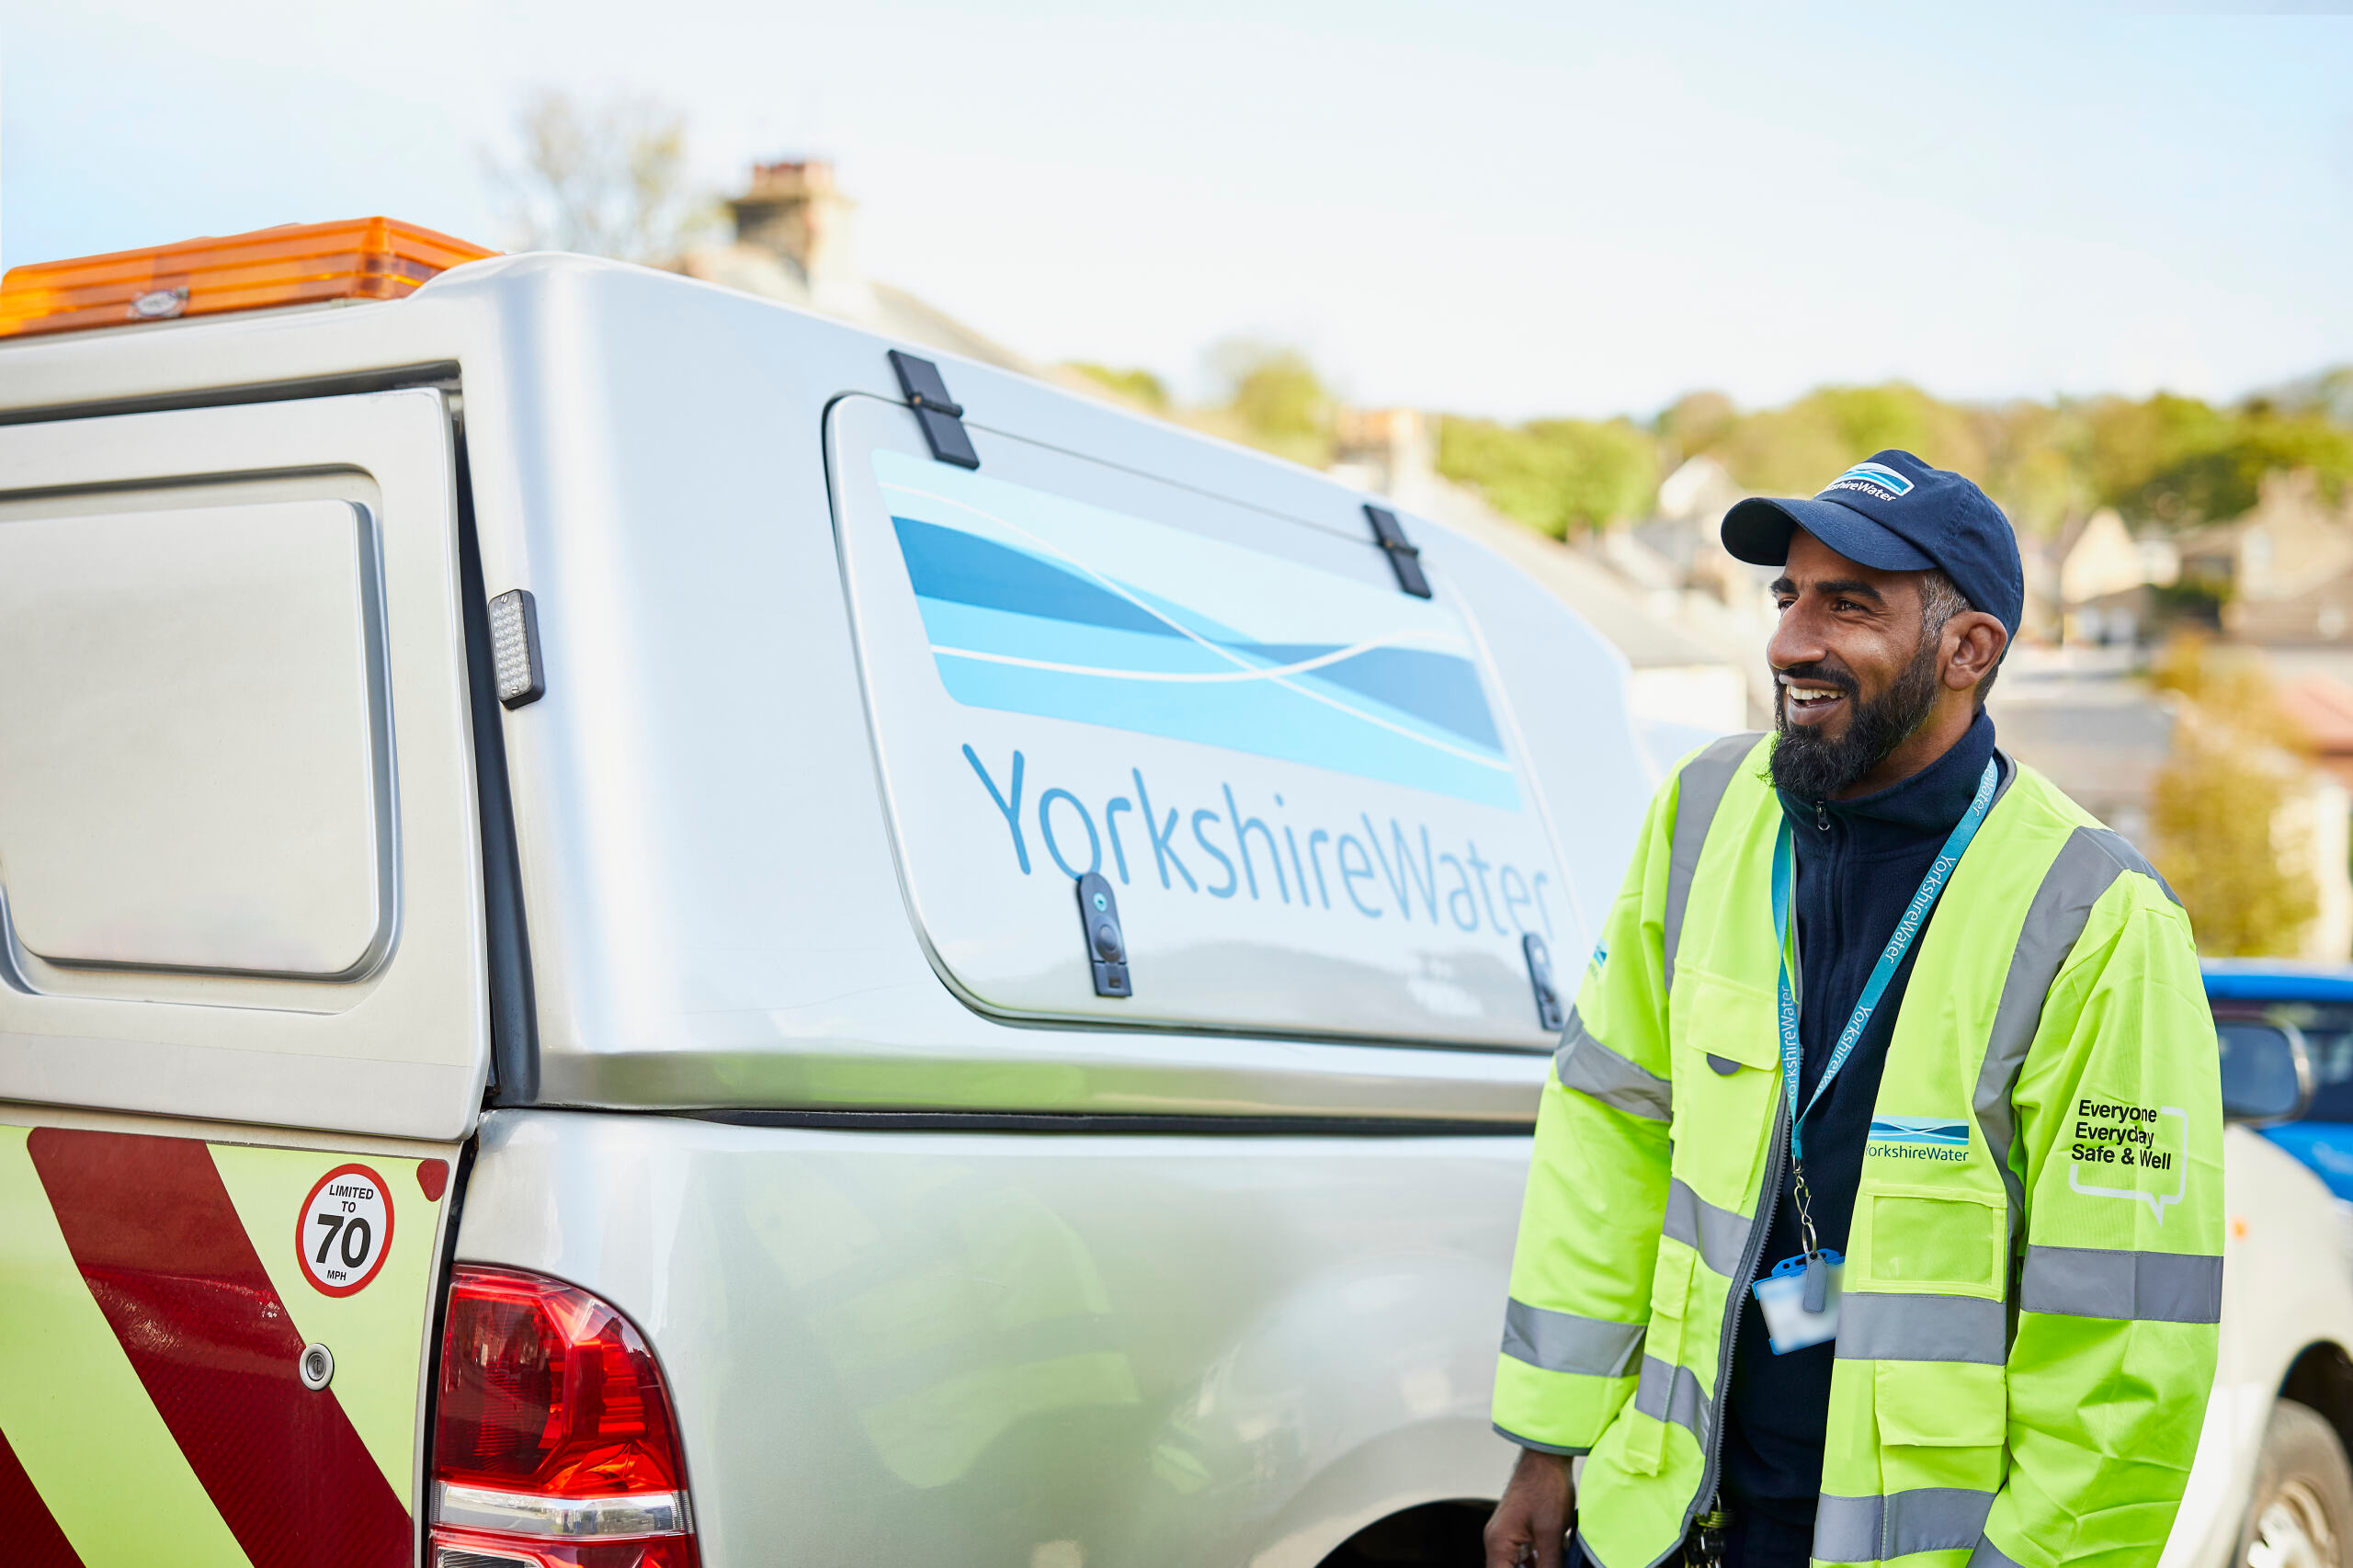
column 2034, row 1272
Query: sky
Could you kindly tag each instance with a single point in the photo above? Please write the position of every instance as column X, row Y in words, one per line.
column 1507, row 209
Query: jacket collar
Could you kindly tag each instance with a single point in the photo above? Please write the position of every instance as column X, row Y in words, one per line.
column 1927, row 804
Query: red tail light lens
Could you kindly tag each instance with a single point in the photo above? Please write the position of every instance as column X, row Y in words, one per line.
column 553, row 1442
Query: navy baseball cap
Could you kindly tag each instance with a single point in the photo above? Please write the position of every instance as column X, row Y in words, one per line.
column 1896, row 514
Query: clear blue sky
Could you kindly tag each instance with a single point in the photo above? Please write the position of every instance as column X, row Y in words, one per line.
column 1502, row 209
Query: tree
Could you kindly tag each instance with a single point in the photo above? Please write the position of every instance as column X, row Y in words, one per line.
column 608, row 180
column 1691, row 425
column 2329, row 394
column 2179, row 462
column 1558, row 475
column 1797, row 450
column 2034, row 464
column 2224, row 837
column 1275, row 401
column 1135, row 384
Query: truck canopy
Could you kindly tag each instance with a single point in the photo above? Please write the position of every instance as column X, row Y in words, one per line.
column 830, row 727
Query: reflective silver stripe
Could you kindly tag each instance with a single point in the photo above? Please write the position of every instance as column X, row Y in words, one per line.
column 1718, row 1235
column 2144, row 1287
column 1886, row 1327
column 1591, row 1068
column 1562, row 1341
column 1698, row 790
column 1988, row 1555
column 1672, row 1393
column 1872, row 1529
column 2086, row 868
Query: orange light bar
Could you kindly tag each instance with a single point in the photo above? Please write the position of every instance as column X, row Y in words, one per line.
column 360, row 258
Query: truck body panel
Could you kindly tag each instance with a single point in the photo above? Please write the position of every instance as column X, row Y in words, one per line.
column 1160, row 1349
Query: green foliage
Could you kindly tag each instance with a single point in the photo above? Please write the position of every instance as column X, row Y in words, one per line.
column 2225, row 841
column 2216, row 812
column 2177, row 461
column 1796, row 449
column 2034, row 464
column 2132, row 444
column 1276, row 401
column 2167, row 459
column 1132, row 382
column 2329, row 394
column 2192, row 602
column 1554, row 474
column 1693, row 423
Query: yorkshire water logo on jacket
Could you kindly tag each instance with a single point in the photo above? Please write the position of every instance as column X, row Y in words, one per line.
column 1934, row 1138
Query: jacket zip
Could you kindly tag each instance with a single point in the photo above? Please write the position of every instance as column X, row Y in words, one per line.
column 1768, row 1203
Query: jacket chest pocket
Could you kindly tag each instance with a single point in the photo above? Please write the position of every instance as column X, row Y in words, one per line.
column 1718, row 1025
column 1946, row 1242
column 1724, row 1046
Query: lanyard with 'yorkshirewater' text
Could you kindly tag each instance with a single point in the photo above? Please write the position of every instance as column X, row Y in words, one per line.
column 1891, row 958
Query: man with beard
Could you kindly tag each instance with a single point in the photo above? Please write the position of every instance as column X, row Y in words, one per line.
column 1875, row 1212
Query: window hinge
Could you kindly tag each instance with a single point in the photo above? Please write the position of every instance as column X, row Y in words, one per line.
column 1403, row 558
column 941, row 417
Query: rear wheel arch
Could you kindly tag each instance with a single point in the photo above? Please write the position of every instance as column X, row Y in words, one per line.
column 2300, row 1506
column 1432, row 1535
column 2321, row 1378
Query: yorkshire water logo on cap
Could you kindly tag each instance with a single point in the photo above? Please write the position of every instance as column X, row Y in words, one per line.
column 1871, row 478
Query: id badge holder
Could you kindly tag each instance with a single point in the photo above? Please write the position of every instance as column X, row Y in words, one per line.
column 1782, row 1296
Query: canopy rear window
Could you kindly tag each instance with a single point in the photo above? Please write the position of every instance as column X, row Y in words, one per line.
column 1297, row 780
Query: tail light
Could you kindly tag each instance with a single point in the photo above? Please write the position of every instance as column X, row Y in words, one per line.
column 553, row 1445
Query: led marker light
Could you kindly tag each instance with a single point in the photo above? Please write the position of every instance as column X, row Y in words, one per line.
column 515, row 648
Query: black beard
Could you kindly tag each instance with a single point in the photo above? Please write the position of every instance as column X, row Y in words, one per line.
column 1812, row 767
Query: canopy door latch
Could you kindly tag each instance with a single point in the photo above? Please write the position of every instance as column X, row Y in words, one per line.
column 1540, row 976
column 941, row 417
column 1106, row 944
column 1403, row 557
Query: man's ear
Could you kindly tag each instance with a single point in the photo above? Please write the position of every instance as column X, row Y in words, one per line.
column 1974, row 642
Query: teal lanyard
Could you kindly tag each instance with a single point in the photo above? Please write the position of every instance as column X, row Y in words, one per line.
column 1891, row 958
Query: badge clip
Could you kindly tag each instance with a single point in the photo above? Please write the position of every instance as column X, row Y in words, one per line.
column 1800, row 1300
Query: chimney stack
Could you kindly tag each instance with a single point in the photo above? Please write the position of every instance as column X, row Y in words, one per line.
column 795, row 213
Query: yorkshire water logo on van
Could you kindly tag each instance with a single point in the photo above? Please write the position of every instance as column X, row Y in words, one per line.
column 1872, row 479
column 1934, row 1138
column 1036, row 605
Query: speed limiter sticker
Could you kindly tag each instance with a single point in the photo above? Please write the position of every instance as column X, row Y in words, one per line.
column 345, row 1229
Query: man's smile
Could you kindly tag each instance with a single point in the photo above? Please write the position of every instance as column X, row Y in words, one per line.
column 1808, row 702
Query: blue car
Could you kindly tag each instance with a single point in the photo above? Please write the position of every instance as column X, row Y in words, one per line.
column 2316, row 999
